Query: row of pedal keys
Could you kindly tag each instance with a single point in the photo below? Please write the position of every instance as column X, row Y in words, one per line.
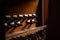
column 32, row 15
column 12, row 24
column 31, row 21
column 20, row 16
column 14, row 19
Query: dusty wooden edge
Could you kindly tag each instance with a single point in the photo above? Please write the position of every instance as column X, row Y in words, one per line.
column 27, row 30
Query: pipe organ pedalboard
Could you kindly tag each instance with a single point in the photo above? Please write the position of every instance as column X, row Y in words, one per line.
column 23, row 26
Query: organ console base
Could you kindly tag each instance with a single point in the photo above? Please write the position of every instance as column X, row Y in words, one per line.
column 24, row 20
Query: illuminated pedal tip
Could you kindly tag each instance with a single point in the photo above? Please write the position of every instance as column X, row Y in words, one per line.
column 28, row 21
column 33, row 20
column 5, row 24
column 8, row 16
column 34, row 14
column 15, row 16
column 20, row 15
column 26, row 15
column 18, row 22
column 30, row 14
column 12, row 23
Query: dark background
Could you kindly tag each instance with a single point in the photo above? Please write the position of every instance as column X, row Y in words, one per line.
column 53, row 30
column 39, row 13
